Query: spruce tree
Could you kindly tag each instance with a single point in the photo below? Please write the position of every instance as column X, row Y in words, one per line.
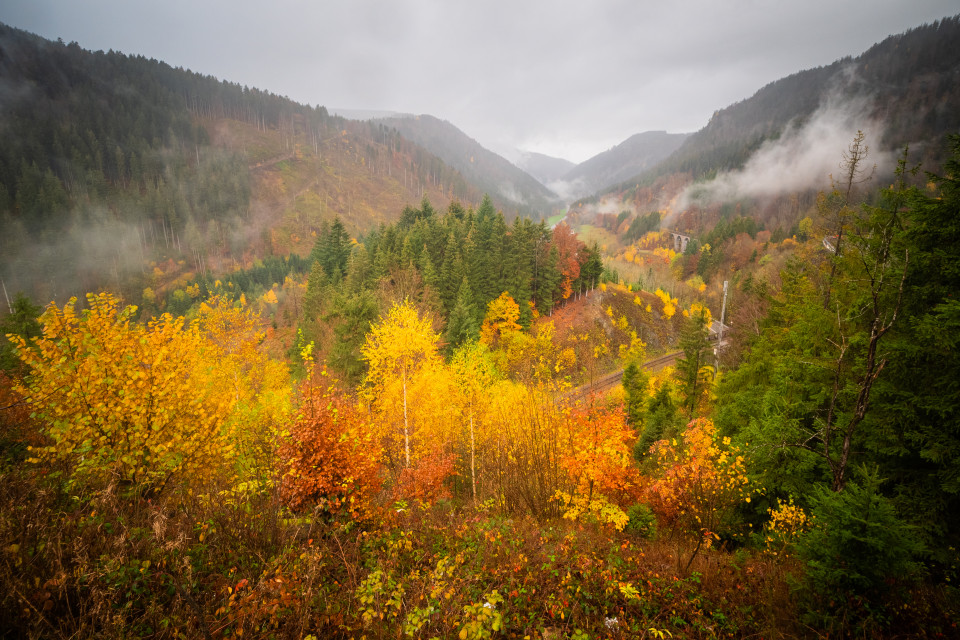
column 635, row 382
column 464, row 324
column 660, row 421
column 692, row 373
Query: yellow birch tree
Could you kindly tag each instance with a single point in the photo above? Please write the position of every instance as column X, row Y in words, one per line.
column 473, row 373
column 396, row 349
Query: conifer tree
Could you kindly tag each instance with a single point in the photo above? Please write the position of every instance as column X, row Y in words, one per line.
column 661, row 419
column 354, row 315
column 451, row 273
column 693, row 370
column 316, row 292
column 464, row 325
column 21, row 322
column 635, row 382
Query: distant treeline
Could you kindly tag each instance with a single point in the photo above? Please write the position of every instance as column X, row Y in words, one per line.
column 118, row 146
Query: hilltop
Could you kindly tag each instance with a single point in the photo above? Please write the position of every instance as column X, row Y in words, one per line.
column 902, row 89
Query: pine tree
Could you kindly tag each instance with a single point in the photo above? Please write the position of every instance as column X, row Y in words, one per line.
column 428, row 272
column 21, row 321
column 332, row 248
column 464, row 323
column 660, row 422
column 451, row 273
column 518, row 267
column 635, row 382
column 693, row 371
column 353, row 315
column 313, row 301
column 359, row 271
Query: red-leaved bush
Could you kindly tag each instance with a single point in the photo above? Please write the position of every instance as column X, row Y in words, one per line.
column 331, row 456
column 425, row 481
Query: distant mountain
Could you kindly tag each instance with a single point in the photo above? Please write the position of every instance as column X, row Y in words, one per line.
column 544, row 168
column 632, row 156
column 909, row 82
column 512, row 189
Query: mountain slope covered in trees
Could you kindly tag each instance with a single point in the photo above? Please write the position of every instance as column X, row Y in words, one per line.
column 544, row 168
column 386, row 423
column 908, row 81
column 634, row 155
column 111, row 162
column 513, row 189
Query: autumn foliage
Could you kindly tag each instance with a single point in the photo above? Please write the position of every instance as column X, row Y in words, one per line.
column 501, row 319
column 568, row 248
column 597, row 456
column 331, row 456
column 17, row 429
column 600, row 475
column 426, row 481
column 126, row 402
column 401, row 351
column 699, row 481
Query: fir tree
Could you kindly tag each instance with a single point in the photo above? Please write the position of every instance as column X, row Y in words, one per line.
column 464, row 325
column 693, row 371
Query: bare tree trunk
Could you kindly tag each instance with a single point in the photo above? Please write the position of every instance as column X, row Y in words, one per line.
column 406, row 423
column 473, row 466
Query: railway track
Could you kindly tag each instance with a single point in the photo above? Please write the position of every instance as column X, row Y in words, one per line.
column 612, row 379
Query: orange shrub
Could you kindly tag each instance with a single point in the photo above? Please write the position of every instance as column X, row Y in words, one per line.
column 331, row 456
column 699, row 481
column 425, row 482
column 597, row 457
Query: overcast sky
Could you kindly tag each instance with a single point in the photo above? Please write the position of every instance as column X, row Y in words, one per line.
column 568, row 79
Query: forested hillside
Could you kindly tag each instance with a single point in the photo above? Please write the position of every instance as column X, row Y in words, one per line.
column 514, row 190
column 112, row 162
column 908, row 82
column 545, row 169
column 171, row 474
column 451, row 265
column 633, row 156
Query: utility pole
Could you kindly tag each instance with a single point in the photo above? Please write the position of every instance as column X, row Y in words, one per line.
column 9, row 306
column 723, row 312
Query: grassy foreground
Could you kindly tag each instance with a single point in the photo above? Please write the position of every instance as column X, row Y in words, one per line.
column 242, row 566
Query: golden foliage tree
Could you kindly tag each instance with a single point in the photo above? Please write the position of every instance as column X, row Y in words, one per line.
column 597, row 456
column 126, row 402
column 474, row 374
column 503, row 315
column 260, row 385
column 397, row 349
column 526, row 444
column 698, row 484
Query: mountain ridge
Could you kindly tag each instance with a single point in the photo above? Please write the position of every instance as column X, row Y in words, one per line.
column 639, row 152
column 909, row 80
column 490, row 171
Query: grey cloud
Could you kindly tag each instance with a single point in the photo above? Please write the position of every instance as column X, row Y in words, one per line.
column 569, row 80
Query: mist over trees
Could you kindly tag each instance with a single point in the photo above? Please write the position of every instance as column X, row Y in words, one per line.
column 110, row 161
column 906, row 82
